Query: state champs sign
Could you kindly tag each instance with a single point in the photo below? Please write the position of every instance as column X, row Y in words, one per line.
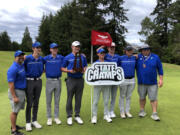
column 104, row 73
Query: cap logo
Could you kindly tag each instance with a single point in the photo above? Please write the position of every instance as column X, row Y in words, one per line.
column 104, row 37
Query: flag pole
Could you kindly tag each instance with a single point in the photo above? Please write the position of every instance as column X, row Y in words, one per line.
column 91, row 86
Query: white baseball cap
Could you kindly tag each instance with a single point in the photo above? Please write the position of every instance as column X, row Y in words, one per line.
column 113, row 44
column 76, row 43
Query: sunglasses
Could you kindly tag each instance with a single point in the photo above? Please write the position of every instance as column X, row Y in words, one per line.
column 38, row 47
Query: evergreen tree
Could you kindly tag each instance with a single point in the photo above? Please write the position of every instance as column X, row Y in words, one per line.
column 61, row 28
column 161, row 20
column 45, row 33
column 15, row 46
column 115, row 25
column 5, row 42
column 26, row 44
column 76, row 20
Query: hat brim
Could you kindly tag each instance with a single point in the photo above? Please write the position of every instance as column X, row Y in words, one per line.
column 145, row 48
column 54, row 47
column 20, row 54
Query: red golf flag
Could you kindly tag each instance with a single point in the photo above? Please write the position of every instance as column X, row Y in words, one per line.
column 100, row 38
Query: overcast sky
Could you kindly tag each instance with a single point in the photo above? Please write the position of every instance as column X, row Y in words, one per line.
column 15, row 15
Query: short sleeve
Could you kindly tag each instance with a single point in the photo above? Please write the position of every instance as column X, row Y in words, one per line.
column 85, row 62
column 65, row 62
column 11, row 75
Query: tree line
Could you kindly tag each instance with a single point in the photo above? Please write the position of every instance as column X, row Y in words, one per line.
column 7, row 45
column 161, row 30
column 76, row 19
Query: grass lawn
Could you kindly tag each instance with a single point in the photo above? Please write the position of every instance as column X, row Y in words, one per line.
column 168, row 109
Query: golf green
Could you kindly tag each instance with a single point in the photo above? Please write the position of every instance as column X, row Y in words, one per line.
column 168, row 109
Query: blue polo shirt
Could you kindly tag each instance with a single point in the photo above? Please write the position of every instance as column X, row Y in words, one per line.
column 16, row 73
column 53, row 66
column 148, row 74
column 128, row 64
column 114, row 58
column 68, row 63
column 34, row 67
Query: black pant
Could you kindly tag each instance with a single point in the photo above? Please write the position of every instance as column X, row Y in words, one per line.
column 33, row 93
column 74, row 87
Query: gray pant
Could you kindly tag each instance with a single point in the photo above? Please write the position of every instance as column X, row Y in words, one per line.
column 125, row 91
column 53, row 86
column 113, row 91
column 106, row 94
column 16, row 107
column 33, row 93
column 74, row 87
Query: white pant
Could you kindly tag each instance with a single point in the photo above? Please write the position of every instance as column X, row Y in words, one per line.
column 106, row 93
column 125, row 91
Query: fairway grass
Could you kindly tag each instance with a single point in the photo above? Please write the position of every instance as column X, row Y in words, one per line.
column 168, row 109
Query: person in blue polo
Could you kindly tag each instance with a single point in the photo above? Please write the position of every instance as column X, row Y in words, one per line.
column 74, row 65
column 104, row 89
column 16, row 78
column 53, row 64
column 128, row 63
column 34, row 66
column 112, row 57
column 148, row 66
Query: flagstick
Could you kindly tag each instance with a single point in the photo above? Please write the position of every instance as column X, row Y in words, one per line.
column 91, row 86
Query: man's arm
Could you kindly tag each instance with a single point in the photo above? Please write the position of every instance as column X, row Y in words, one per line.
column 66, row 70
column 12, row 90
column 100, row 48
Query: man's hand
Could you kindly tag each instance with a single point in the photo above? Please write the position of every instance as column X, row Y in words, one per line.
column 160, row 83
column 84, row 70
column 136, row 55
column 71, row 71
column 16, row 99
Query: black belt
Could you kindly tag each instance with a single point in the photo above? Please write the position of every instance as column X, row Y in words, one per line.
column 21, row 89
column 129, row 77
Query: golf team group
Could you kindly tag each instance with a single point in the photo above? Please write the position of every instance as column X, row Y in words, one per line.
column 24, row 80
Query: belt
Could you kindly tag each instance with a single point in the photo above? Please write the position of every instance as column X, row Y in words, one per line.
column 54, row 79
column 20, row 89
column 33, row 79
column 129, row 77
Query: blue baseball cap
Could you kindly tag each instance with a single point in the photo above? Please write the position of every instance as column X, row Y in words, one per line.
column 36, row 44
column 101, row 50
column 129, row 48
column 53, row 45
column 18, row 53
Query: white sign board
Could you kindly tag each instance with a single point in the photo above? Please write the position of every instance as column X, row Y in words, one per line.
column 104, row 73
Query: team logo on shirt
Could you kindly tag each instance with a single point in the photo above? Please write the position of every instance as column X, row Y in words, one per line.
column 104, row 73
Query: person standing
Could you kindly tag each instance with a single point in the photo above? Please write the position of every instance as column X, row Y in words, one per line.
column 97, row 91
column 53, row 63
column 128, row 63
column 16, row 78
column 74, row 65
column 147, row 66
column 34, row 66
column 112, row 57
